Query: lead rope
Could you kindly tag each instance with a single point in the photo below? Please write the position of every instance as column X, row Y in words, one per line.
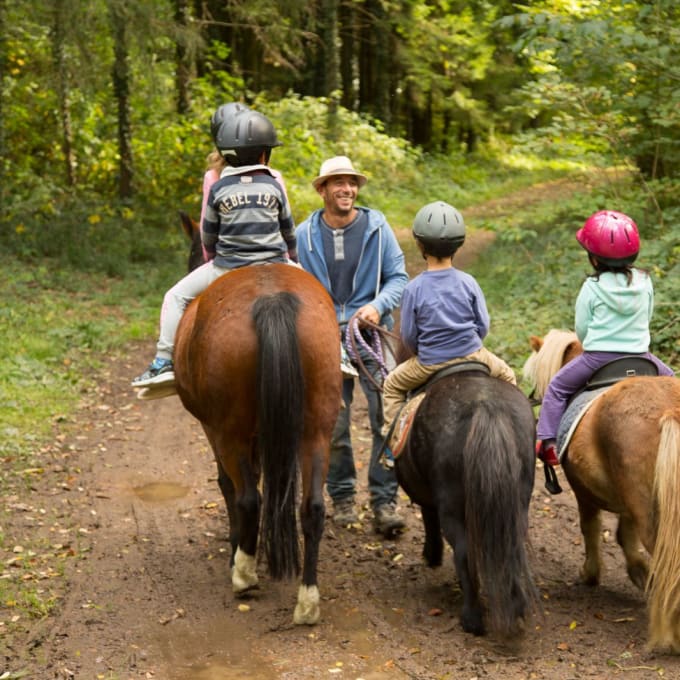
column 356, row 334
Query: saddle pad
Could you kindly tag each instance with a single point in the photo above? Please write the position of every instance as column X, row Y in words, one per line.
column 403, row 424
column 572, row 417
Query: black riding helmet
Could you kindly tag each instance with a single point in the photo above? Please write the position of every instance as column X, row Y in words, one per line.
column 242, row 138
column 222, row 115
column 439, row 228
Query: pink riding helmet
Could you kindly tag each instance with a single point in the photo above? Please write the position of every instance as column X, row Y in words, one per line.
column 611, row 236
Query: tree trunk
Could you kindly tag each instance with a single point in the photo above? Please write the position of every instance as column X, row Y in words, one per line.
column 347, row 58
column 183, row 64
column 381, row 105
column 367, row 30
column 328, row 33
column 63, row 89
column 121, row 91
column 3, row 74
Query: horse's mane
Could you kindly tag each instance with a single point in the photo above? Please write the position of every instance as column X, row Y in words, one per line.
column 542, row 365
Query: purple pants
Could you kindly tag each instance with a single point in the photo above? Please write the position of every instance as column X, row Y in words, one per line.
column 571, row 378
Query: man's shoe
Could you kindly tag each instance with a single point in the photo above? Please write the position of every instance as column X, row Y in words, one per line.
column 344, row 512
column 386, row 521
column 160, row 371
column 547, row 452
column 348, row 370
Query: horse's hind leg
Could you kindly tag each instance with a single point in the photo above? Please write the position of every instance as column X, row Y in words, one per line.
column 433, row 550
column 636, row 564
column 229, row 495
column 472, row 616
column 591, row 526
column 312, row 515
column 238, row 483
column 248, row 502
column 242, row 513
column 242, row 563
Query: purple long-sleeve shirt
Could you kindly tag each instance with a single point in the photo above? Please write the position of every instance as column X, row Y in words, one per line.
column 443, row 315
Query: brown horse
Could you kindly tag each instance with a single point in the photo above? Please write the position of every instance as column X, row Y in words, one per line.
column 255, row 363
column 624, row 457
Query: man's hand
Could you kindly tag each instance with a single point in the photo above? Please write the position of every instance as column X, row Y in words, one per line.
column 368, row 313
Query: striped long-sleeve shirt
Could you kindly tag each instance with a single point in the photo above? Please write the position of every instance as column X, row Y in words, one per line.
column 248, row 219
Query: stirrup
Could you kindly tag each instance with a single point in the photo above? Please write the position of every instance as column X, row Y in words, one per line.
column 551, row 482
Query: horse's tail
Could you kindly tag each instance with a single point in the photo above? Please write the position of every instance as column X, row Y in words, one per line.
column 663, row 584
column 280, row 418
column 499, row 475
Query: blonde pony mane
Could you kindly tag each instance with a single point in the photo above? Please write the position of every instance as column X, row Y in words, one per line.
column 541, row 366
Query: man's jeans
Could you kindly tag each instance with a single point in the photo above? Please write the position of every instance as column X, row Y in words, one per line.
column 342, row 473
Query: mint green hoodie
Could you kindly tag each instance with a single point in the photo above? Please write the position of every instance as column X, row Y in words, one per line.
column 612, row 316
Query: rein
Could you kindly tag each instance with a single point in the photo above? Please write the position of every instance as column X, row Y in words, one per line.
column 369, row 337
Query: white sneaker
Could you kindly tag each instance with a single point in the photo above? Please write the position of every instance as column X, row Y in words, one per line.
column 346, row 365
column 160, row 372
column 348, row 371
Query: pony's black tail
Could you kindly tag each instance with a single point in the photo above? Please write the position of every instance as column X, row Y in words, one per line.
column 499, row 477
column 280, row 418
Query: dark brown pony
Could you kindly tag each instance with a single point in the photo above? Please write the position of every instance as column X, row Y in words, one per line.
column 469, row 464
column 624, row 457
column 257, row 363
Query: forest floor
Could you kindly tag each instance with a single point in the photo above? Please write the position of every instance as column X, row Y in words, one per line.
column 132, row 497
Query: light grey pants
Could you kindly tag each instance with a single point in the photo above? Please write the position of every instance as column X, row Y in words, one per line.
column 176, row 301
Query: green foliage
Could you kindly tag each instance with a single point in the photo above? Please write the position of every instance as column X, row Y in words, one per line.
column 535, row 268
column 606, row 77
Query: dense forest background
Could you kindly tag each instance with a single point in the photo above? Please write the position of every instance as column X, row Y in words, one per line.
column 105, row 104
column 105, row 109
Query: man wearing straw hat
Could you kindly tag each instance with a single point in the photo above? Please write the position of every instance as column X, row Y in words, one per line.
column 354, row 253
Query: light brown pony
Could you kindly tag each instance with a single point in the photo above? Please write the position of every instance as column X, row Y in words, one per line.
column 624, row 457
column 257, row 363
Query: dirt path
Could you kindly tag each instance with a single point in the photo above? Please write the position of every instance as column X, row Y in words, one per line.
column 132, row 500
column 135, row 495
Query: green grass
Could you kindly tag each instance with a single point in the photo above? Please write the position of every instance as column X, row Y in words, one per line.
column 56, row 327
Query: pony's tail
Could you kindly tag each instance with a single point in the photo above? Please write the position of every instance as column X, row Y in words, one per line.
column 663, row 584
column 499, row 475
column 280, row 418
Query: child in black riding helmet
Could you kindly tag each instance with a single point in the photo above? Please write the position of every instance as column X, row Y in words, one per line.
column 247, row 221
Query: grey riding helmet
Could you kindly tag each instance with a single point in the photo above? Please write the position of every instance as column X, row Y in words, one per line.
column 440, row 229
column 242, row 138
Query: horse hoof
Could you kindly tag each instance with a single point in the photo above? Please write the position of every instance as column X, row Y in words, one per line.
column 243, row 574
column 590, row 579
column 638, row 575
column 307, row 611
column 472, row 626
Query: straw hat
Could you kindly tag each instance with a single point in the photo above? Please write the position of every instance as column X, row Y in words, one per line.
column 338, row 165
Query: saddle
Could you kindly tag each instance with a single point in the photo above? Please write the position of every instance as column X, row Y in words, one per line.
column 459, row 367
column 401, row 426
column 605, row 376
column 618, row 369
